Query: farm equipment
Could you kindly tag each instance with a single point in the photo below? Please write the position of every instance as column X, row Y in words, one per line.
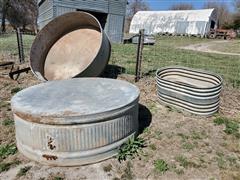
column 222, row 34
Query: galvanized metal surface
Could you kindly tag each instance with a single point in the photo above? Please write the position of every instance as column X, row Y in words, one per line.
column 72, row 45
column 192, row 90
column 75, row 122
column 114, row 10
column 192, row 22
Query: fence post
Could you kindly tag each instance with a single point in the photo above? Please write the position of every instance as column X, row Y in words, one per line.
column 138, row 73
column 20, row 45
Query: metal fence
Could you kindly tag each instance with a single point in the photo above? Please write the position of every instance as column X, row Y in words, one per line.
column 15, row 46
column 168, row 51
column 165, row 52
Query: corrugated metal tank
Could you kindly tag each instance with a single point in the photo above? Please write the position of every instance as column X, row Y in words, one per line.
column 75, row 122
column 192, row 90
column 71, row 45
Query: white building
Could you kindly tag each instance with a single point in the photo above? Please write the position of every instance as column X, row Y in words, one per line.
column 192, row 22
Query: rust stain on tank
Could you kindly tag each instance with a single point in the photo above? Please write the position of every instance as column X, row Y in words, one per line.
column 49, row 157
column 50, row 143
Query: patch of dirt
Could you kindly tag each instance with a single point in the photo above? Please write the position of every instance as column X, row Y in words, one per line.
column 208, row 47
column 174, row 136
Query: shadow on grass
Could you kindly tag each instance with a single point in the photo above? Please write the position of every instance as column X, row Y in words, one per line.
column 112, row 71
column 144, row 118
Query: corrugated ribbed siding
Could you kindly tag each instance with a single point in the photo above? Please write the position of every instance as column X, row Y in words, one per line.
column 117, row 7
column 62, row 10
column 76, row 137
column 45, row 13
column 96, row 5
column 115, row 27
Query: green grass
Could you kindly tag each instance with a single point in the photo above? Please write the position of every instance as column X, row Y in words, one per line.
column 8, row 44
column 182, row 161
column 229, row 47
column 161, row 166
column 231, row 126
column 6, row 150
column 166, row 53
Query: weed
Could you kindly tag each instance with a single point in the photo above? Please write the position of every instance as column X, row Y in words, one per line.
column 107, row 168
column 4, row 104
column 23, row 171
column 183, row 136
column 7, row 122
column 231, row 126
column 188, row 146
column 232, row 160
column 153, row 147
column 7, row 150
column 220, row 160
column 220, row 120
column 130, row 149
column 158, row 135
column 161, row 166
column 5, row 166
column 221, row 163
column 15, row 90
column 58, row 178
column 146, row 130
column 195, row 135
column 128, row 174
column 179, row 171
column 183, row 161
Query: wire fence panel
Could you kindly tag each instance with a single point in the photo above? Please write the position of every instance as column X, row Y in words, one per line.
column 168, row 51
column 9, row 46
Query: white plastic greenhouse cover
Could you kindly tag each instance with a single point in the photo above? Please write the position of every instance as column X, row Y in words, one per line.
column 194, row 22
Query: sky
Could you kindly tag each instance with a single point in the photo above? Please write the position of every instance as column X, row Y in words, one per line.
column 198, row 4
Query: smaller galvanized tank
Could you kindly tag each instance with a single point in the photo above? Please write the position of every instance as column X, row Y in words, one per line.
column 71, row 45
column 75, row 122
column 192, row 90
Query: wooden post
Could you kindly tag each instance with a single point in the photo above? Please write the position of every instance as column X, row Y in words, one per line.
column 20, row 45
column 138, row 73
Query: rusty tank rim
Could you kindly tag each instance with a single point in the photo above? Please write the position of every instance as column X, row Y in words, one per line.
column 129, row 92
column 57, row 23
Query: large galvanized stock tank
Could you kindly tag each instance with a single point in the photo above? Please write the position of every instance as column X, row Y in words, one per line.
column 75, row 122
column 192, row 90
column 71, row 45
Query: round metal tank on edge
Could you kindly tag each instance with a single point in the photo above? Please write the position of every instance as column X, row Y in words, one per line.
column 75, row 122
column 195, row 91
column 71, row 45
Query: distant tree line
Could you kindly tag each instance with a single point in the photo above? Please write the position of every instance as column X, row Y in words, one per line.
column 19, row 13
column 226, row 19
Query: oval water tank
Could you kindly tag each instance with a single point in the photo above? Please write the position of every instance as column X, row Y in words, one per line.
column 71, row 45
column 195, row 91
column 76, row 121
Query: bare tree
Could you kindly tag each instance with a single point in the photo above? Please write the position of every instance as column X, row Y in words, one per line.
column 236, row 15
column 181, row 6
column 236, row 4
column 223, row 13
column 3, row 10
column 23, row 13
column 132, row 8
